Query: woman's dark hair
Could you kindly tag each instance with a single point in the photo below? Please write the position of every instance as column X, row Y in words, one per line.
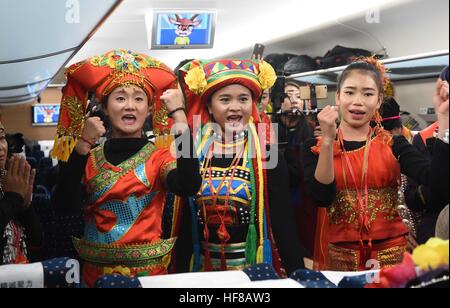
column 366, row 67
column 293, row 83
column 180, row 65
column 105, row 100
column 15, row 143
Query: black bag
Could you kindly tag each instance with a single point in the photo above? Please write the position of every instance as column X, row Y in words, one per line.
column 300, row 64
column 278, row 60
column 340, row 56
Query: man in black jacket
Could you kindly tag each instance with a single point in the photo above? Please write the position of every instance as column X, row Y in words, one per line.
column 19, row 225
column 426, row 201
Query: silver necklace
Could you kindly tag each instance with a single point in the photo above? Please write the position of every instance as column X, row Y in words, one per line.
column 236, row 138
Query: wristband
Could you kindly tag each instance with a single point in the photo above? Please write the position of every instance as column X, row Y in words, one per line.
column 87, row 141
column 170, row 115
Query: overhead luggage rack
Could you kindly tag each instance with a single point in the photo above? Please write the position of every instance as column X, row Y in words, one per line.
column 408, row 68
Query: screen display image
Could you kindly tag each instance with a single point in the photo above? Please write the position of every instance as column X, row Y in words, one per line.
column 45, row 115
column 183, row 30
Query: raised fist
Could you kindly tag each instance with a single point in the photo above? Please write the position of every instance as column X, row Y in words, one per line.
column 328, row 118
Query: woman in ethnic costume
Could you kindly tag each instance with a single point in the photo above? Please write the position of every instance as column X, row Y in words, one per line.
column 131, row 215
column 354, row 171
column 241, row 200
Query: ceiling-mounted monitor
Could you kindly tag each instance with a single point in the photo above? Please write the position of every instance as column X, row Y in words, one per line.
column 45, row 114
column 182, row 29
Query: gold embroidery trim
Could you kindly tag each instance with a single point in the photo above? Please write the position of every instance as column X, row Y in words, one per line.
column 383, row 201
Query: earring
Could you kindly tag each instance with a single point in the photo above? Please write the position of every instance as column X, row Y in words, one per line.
column 378, row 119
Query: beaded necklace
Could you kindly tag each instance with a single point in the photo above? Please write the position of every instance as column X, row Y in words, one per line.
column 363, row 191
column 222, row 232
column 255, row 251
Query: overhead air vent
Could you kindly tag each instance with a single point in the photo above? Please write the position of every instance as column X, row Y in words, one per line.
column 38, row 38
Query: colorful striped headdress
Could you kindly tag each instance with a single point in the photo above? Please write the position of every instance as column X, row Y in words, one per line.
column 200, row 79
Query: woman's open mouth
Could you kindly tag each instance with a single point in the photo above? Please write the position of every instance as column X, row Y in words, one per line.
column 234, row 120
column 129, row 119
column 357, row 114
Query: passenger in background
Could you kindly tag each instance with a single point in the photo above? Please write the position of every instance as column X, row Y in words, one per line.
column 419, row 198
column 265, row 107
column 392, row 121
column 20, row 229
column 293, row 131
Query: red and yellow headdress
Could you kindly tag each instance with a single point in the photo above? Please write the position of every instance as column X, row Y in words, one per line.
column 200, row 79
column 102, row 74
